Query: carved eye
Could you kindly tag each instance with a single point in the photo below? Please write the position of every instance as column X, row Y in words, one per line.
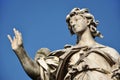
column 76, row 19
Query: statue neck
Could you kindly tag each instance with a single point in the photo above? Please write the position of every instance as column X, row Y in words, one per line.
column 86, row 39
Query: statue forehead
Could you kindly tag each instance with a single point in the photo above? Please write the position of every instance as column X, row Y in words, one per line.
column 76, row 17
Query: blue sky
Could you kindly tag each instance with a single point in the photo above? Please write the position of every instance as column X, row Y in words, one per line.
column 42, row 24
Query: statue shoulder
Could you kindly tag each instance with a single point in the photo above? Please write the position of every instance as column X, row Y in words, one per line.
column 61, row 51
column 111, row 51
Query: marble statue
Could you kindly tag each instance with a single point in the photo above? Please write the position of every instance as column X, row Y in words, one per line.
column 86, row 60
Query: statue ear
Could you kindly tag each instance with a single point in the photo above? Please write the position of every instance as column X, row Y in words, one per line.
column 89, row 21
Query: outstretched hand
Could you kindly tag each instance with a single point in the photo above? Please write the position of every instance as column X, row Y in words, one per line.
column 16, row 42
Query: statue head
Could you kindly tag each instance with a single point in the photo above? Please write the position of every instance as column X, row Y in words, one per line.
column 86, row 15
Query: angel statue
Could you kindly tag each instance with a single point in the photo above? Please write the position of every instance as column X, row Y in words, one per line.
column 86, row 60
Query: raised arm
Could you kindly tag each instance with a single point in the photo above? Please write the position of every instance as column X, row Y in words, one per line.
column 30, row 67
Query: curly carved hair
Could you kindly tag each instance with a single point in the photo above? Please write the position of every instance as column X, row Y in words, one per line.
column 84, row 13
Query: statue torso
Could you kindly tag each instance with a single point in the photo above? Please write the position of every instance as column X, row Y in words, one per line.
column 85, row 61
column 80, row 63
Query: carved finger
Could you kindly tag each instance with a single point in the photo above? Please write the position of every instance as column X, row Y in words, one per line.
column 16, row 33
column 10, row 39
column 19, row 36
column 14, row 30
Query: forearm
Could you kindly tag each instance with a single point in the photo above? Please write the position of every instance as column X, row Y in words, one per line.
column 30, row 67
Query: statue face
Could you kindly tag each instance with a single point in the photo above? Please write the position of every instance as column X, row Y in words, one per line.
column 78, row 23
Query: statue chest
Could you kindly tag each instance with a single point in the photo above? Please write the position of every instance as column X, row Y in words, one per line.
column 93, row 60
